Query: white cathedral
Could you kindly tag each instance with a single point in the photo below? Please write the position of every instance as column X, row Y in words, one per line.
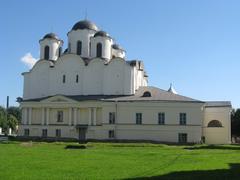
column 91, row 92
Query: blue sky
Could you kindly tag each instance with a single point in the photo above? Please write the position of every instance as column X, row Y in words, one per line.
column 193, row 44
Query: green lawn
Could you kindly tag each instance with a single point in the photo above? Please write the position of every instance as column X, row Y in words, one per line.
column 28, row 160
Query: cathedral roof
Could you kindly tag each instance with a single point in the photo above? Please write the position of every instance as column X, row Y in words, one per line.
column 85, row 24
column 117, row 47
column 102, row 34
column 51, row 36
column 156, row 94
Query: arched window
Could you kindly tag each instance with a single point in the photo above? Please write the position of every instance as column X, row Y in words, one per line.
column 76, row 78
column 59, row 51
column 146, row 94
column 79, row 47
column 69, row 47
column 99, row 50
column 214, row 123
column 64, row 78
column 46, row 52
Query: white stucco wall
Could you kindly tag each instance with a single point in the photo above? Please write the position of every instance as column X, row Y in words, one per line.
column 217, row 135
column 106, row 46
column 54, row 46
column 36, row 82
column 82, row 35
column 115, row 78
column 118, row 53
column 125, row 126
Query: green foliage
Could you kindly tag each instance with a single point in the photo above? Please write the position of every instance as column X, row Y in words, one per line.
column 235, row 120
column 15, row 111
column 32, row 160
column 13, row 118
column 12, row 122
column 2, row 117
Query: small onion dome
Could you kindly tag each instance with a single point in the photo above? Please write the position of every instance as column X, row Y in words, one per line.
column 117, row 47
column 102, row 34
column 51, row 36
column 85, row 25
column 172, row 90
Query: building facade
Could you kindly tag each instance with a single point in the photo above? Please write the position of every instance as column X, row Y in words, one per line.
column 91, row 92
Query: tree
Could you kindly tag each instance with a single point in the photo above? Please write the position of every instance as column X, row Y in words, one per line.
column 235, row 122
column 12, row 122
column 3, row 123
column 15, row 111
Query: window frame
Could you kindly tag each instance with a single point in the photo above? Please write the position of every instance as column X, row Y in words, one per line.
column 79, row 48
column 77, row 78
column 214, row 124
column 99, row 50
column 59, row 51
column 182, row 137
column 64, row 79
column 161, row 118
column 44, row 132
column 111, row 117
column 46, row 52
column 111, row 134
column 183, row 119
column 59, row 116
column 26, row 132
column 69, row 47
column 58, row 133
column 139, row 118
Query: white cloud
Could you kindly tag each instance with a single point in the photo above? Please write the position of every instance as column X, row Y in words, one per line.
column 28, row 60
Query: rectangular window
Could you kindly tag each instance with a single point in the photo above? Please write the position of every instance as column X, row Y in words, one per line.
column 60, row 116
column 182, row 137
column 44, row 133
column 161, row 118
column 112, row 118
column 182, row 118
column 138, row 118
column 26, row 132
column 111, row 134
column 58, row 133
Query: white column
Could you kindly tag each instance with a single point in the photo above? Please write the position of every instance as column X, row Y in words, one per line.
column 90, row 117
column 23, row 116
column 43, row 115
column 94, row 116
column 75, row 116
column 0, row 130
column 30, row 116
column 70, row 117
column 9, row 131
column 26, row 116
column 47, row 118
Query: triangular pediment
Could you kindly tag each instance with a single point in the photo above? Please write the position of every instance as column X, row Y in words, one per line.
column 58, row 99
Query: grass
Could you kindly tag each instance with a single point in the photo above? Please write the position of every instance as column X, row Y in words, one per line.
column 27, row 160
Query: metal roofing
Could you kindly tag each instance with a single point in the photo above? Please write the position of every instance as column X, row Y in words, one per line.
column 85, row 24
column 218, row 104
column 156, row 95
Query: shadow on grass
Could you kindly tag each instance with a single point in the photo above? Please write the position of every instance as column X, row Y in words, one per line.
column 219, row 174
column 75, row 147
column 213, row 147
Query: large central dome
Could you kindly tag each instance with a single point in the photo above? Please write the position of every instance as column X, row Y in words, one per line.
column 85, row 24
